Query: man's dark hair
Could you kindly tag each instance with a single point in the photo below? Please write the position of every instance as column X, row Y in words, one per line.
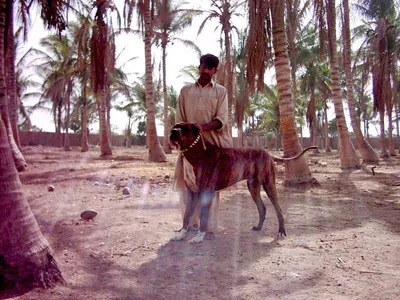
column 211, row 61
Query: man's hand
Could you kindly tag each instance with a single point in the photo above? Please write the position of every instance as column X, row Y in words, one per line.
column 213, row 125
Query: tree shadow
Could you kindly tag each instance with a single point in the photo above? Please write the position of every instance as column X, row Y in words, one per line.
column 59, row 175
column 378, row 199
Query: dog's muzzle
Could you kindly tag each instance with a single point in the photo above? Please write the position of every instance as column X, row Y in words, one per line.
column 175, row 136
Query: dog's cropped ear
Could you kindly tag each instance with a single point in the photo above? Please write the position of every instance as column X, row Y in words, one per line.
column 178, row 125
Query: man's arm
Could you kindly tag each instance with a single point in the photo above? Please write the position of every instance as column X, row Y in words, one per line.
column 213, row 125
column 222, row 107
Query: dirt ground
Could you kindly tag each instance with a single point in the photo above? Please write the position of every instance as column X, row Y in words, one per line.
column 343, row 237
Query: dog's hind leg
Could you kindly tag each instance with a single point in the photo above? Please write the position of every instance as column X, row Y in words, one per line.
column 254, row 187
column 270, row 189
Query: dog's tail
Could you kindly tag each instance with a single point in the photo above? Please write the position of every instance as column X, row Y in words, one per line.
column 286, row 159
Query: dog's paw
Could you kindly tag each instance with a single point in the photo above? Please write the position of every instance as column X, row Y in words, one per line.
column 282, row 233
column 256, row 228
column 180, row 236
column 198, row 238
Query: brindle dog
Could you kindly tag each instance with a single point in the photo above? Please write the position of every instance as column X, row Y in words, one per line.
column 218, row 168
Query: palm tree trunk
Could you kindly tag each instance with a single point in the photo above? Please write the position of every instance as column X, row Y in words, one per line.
column 25, row 256
column 384, row 152
column 128, row 135
column 105, row 145
column 166, row 146
column 108, row 114
column 240, row 135
column 10, row 68
column 296, row 171
column 18, row 158
column 327, row 138
column 348, row 154
column 85, row 143
column 368, row 154
column 381, row 79
column 156, row 153
column 393, row 100
column 313, row 119
column 228, row 71
column 392, row 151
column 59, row 123
column 291, row 32
column 67, row 145
column 397, row 122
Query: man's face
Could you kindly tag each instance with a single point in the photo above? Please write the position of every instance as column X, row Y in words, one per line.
column 206, row 73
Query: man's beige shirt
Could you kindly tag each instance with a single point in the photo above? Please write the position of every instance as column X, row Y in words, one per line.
column 197, row 104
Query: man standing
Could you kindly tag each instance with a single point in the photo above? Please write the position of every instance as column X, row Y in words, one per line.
column 205, row 103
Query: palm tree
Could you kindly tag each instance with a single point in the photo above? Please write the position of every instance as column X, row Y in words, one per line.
column 102, row 65
column 367, row 152
column 145, row 11
column 242, row 96
column 56, row 66
column 128, row 130
column 393, row 34
column 8, row 104
column 10, row 67
column 82, row 34
column 296, row 11
column 361, row 70
column 225, row 11
column 348, row 154
column 267, row 103
column 191, row 72
column 136, row 103
column 296, row 172
column 309, row 79
column 313, row 80
column 26, row 257
column 260, row 11
column 173, row 97
column 171, row 20
column 382, row 15
column 23, row 84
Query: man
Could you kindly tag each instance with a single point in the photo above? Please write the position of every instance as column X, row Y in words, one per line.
column 205, row 103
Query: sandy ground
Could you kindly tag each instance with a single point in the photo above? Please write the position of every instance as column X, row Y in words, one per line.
column 343, row 237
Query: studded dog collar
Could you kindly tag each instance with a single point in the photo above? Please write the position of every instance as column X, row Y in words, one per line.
column 193, row 144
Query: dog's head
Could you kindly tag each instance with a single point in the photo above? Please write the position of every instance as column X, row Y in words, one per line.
column 184, row 134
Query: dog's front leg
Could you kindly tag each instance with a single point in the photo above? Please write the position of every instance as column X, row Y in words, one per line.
column 206, row 198
column 192, row 199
